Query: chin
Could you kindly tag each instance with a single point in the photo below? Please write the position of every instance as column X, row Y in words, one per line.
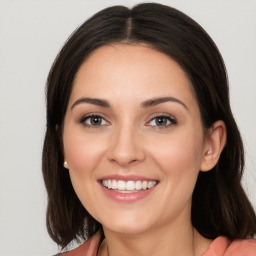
column 127, row 225
column 126, row 229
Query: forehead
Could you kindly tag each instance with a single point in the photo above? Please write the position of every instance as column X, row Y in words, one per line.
column 131, row 70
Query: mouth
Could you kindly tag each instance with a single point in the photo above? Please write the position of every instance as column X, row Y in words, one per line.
column 129, row 186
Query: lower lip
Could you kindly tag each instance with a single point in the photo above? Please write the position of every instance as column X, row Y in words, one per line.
column 127, row 197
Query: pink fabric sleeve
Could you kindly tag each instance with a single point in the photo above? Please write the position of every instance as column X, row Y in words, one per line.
column 222, row 246
column 89, row 248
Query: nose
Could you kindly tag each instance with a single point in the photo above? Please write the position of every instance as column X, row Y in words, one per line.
column 126, row 147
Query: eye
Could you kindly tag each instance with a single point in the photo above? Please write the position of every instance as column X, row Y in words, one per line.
column 162, row 121
column 93, row 121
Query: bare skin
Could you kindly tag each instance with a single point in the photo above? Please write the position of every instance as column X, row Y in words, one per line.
column 133, row 113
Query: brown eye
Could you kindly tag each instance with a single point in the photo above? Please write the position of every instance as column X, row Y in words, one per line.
column 93, row 121
column 162, row 121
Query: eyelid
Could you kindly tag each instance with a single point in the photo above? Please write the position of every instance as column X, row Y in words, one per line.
column 171, row 118
column 83, row 118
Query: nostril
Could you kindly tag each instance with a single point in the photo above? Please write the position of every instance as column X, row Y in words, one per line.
column 124, row 161
column 124, row 148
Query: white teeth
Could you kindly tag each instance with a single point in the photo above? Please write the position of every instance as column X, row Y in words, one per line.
column 109, row 184
column 114, row 184
column 128, row 186
column 151, row 184
column 138, row 185
column 120, row 185
column 144, row 185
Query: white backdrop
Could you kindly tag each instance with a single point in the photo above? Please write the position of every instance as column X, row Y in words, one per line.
column 31, row 34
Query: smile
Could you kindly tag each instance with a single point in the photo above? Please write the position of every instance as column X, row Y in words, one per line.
column 129, row 186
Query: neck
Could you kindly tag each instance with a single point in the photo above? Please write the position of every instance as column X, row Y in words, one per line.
column 167, row 240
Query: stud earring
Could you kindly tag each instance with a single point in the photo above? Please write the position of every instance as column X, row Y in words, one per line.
column 209, row 152
column 65, row 164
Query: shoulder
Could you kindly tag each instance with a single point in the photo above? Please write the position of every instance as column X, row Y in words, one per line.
column 246, row 247
column 88, row 248
column 222, row 246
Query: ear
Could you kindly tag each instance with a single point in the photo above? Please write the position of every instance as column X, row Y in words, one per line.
column 214, row 145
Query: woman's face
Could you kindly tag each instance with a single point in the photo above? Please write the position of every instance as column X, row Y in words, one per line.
column 133, row 139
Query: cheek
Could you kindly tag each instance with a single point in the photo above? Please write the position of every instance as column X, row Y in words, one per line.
column 179, row 152
column 179, row 158
column 82, row 152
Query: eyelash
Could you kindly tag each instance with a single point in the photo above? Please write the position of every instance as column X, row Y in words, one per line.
column 89, row 117
column 167, row 118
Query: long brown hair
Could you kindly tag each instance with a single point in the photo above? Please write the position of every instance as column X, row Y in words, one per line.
column 220, row 205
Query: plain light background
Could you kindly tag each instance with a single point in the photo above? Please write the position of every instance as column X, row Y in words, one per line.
column 31, row 34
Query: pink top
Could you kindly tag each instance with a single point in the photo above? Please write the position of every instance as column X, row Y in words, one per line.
column 221, row 246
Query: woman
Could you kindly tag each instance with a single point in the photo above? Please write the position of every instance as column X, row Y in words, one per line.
column 142, row 155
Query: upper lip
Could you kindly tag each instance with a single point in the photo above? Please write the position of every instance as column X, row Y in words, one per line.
column 126, row 177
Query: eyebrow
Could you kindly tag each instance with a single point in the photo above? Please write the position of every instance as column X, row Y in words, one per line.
column 97, row 102
column 145, row 104
column 156, row 101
